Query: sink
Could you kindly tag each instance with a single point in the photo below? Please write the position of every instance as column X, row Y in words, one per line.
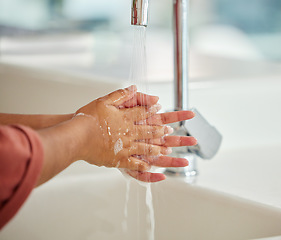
column 92, row 207
column 237, row 194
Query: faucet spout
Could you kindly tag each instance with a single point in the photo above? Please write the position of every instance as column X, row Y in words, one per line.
column 139, row 12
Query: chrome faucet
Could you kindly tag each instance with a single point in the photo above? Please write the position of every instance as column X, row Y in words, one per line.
column 139, row 12
column 208, row 138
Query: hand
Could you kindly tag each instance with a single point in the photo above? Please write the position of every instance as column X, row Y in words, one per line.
column 146, row 133
column 167, row 141
column 116, row 140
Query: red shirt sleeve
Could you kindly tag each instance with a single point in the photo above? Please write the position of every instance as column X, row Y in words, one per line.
column 21, row 160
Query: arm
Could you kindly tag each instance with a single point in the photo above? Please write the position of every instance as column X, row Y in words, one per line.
column 36, row 121
column 21, row 160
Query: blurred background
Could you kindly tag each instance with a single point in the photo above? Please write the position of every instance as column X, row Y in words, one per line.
column 227, row 38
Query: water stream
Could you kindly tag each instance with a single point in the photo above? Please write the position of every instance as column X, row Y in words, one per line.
column 150, row 215
column 138, row 70
column 138, row 76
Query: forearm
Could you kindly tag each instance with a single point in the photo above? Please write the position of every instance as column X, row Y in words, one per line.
column 36, row 121
column 63, row 144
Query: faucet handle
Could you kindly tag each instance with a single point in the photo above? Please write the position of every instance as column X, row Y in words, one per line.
column 208, row 137
column 208, row 143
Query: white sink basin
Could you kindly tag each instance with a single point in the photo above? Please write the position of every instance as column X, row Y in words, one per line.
column 88, row 203
column 92, row 207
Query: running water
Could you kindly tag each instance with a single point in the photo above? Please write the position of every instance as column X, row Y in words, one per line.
column 138, row 71
column 150, row 215
column 138, row 76
column 125, row 222
column 149, row 225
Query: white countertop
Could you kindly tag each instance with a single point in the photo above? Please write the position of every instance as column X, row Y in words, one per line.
column 252, row 173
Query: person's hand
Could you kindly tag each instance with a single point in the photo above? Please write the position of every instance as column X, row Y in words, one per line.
column 133, row 134
column 116, row 139
column 166, row 141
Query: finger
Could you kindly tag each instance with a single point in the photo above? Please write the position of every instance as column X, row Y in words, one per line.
column 174, row 141
column 139, row 148
column 165, row 161
column 140, row 113
column 170, row 117
column 135, row 164
column 141, row 99
column 147, row 176
column 150, row 132
column 120, row 96
column 156, row 141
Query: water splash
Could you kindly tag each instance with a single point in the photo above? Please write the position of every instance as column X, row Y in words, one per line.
column 118, row 146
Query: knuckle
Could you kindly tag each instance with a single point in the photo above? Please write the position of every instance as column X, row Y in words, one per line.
column 127, row 142
column 159, row 131
column 123, row 92
column 138, row 166
column 164, row 118
column 149, row 149
column 162, row 141
column 153, row 132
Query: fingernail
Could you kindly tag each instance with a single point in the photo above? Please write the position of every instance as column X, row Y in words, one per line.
column 143, row 167
column 132, row 88
column 168, row 130
column 156, row 97
column 194, row 141
column 193, row 113
column 169, row 151
column 155, row 108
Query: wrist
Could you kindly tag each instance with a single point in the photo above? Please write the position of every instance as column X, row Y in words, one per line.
column 64, row 144
column 82, row 128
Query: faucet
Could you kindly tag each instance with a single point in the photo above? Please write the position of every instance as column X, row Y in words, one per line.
column 208, row 137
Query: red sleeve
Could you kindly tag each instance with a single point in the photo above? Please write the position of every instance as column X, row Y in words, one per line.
column 21, row 160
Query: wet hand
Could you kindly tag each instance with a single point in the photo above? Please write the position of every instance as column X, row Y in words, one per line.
column 115, row 139
column 167, row 141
